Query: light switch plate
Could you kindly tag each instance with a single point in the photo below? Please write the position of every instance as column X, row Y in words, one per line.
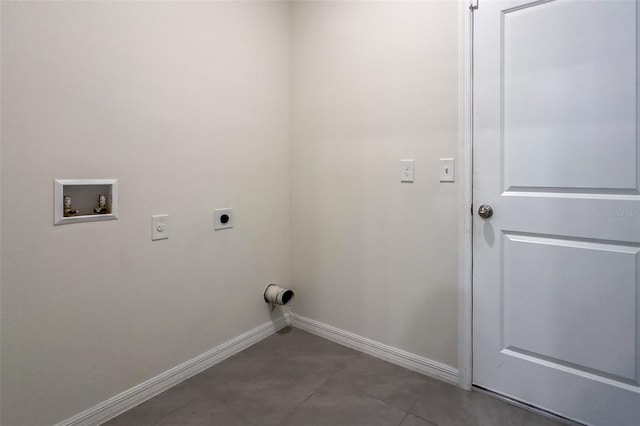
column 223, row 219
column 407, row 171
column 159, row 227
column 447, row 170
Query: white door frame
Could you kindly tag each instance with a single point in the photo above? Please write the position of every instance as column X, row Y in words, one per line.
column 465, row 176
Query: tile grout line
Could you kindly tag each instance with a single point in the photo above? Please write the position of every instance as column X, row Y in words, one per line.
column 290, row 414
column 403, row 419
column 414, row 404
column 417, row 415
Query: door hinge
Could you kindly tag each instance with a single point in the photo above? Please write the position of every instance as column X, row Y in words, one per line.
column 473, row 4
column 471, row 209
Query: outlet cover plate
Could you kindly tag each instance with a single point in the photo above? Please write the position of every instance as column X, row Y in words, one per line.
column 407, row 171
column 219, row 219
column 159, row 227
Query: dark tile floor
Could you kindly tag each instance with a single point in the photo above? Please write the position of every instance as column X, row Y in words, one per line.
column 296, row 378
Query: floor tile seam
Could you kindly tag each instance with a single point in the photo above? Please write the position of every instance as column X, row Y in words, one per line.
column 431, row 422
column 413, row 404
column 292, row 412
column 385, row 402
column 364, row 392
column 413, row 413
column 399, row 376
column 418, row 417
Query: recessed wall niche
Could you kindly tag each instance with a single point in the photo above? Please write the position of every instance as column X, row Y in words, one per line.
column 85, row 200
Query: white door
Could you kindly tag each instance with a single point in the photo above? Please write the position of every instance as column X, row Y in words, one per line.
column 556, row 286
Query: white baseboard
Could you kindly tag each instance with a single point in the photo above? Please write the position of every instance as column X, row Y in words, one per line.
column 379, row 350
column 130, row 398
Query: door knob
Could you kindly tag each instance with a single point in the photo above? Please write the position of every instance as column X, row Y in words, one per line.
column 485, row 211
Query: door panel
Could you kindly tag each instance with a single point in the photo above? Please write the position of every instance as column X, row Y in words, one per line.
column 556, row 154
column 557, row 99
column 588, row 294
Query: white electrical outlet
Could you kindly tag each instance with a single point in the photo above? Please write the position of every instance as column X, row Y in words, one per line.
column 447, row 170
column 222, row 219
column 407, row 171
column 159, row 227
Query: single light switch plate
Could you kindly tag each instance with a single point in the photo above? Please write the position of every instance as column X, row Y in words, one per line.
column 223, row 219
column 447, row 170
column 159, row 227
column 407, row 171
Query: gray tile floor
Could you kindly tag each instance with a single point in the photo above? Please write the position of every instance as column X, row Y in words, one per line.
column 296, row 378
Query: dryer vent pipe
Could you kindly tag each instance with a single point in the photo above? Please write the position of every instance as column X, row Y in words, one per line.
column 278, row 295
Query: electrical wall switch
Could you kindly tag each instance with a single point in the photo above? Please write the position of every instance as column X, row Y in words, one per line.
column 407, row 171
column 447, row 170
column 160, row 227
column 223, row 219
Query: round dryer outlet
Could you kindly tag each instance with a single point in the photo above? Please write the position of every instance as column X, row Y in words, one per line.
column 222, row 219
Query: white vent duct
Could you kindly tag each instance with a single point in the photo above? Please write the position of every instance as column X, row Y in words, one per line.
column 278, row 295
